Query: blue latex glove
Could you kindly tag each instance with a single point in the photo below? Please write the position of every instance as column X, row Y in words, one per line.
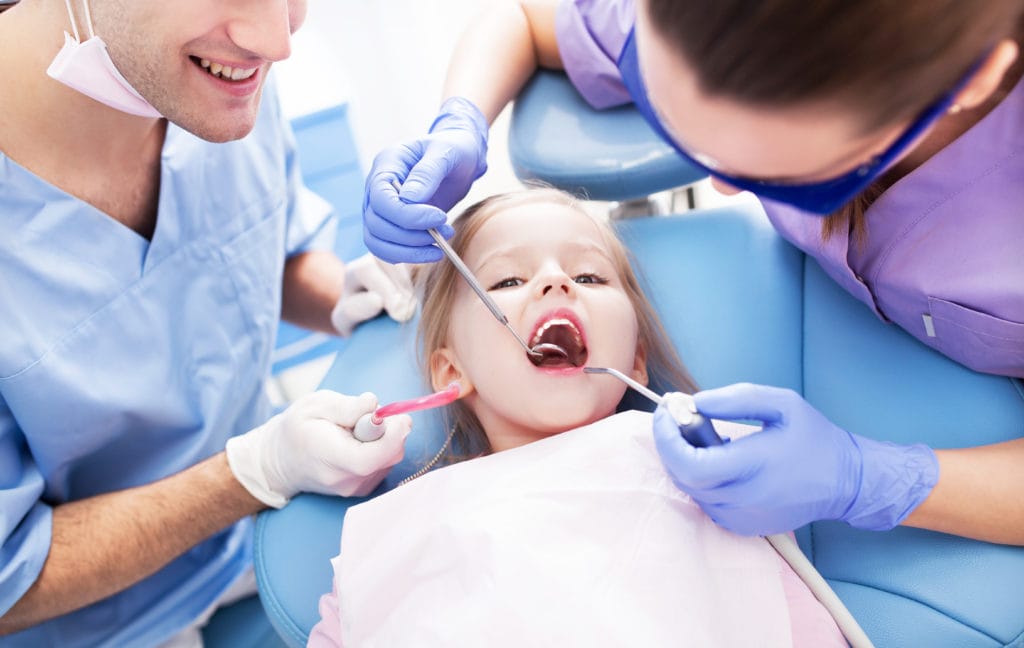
column 798, row 469
column 434, row 172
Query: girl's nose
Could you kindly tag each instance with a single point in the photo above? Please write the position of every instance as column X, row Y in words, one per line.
column 556, row 281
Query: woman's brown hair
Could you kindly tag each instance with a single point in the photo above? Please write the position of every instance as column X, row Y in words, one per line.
column 437, row 283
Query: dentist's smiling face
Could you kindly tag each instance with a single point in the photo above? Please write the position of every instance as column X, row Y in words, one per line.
column 201, row 64
column 549, row 268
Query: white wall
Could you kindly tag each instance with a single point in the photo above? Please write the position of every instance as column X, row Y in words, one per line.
column 388, row 59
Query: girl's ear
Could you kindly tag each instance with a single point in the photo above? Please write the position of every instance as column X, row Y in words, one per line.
column 445, row 369
column 639, row 372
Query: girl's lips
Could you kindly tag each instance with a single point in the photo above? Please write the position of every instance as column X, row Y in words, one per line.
column 561, row 370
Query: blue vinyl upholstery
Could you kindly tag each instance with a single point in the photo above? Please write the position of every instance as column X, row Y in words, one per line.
column 241, row 625
column 331, row 168
column 558, row 138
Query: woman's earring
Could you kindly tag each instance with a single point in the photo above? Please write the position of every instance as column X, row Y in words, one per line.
column 955, row 108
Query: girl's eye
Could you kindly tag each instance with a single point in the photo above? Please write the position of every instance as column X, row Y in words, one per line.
column 510, row 282
column 589, row 278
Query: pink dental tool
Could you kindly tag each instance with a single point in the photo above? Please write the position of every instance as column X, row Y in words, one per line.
column 370, row 427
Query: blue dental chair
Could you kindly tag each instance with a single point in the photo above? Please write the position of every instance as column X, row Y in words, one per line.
column 741, row 304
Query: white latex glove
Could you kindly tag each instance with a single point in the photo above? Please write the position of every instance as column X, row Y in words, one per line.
column 372, row 285
column 309, row 447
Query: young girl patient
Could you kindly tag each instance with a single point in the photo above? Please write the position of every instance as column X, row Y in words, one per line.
column 562, row 529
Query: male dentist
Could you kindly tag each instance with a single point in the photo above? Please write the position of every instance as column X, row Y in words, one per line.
column 153, row 231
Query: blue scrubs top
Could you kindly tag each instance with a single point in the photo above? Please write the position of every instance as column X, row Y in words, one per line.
column 124, row 360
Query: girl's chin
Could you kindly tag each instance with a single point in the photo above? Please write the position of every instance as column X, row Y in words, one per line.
column 565, row 420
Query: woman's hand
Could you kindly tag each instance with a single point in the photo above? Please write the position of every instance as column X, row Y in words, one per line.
column 412, row 185
column 799, row 468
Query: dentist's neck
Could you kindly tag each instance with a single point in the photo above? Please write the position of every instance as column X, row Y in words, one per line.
column 52, row 116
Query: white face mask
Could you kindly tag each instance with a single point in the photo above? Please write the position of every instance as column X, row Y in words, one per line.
column 86, row 67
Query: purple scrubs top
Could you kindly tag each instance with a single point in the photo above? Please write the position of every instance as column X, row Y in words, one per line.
column 944, row 255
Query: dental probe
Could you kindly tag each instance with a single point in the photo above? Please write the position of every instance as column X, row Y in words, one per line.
column 693, row 426
column 626, row 379
column 478, row 289
column 699, row 432
column 473, row 283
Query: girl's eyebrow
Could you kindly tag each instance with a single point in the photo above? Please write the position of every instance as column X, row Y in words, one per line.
column 516, row 251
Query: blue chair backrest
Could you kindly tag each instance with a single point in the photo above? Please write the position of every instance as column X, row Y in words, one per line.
column 560, row 139
column 909, row 587
column 330, row 167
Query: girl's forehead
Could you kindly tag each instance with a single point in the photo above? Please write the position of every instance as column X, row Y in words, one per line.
column 536, row 224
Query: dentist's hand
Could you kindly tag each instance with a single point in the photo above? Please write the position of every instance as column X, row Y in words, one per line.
column 434, row 172
column 798, row 469
column 372, row 285
column 309, row 447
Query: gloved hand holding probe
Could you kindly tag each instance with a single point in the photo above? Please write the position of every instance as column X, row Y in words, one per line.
column 798, row 469
column 434, row 172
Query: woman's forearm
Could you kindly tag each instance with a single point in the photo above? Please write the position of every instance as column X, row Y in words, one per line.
column 501, row 50
column 311, row 285
column 980, row 494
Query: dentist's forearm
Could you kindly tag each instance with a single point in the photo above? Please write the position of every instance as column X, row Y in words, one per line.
column 500, row 51
column 980, row 494
column 107, row 543
column 310, row 288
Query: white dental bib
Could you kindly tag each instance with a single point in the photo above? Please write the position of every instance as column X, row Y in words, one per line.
column 576, row 540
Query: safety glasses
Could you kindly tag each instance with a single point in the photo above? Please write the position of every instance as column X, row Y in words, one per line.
column 821, row 198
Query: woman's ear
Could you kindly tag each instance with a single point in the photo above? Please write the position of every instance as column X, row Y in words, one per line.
column 639, row 372
column 988, row 77
column 445, row 369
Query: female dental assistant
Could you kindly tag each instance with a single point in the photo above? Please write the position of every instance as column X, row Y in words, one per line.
column 883, row 139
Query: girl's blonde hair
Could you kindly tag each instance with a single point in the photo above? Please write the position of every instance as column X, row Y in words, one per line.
column 437, row 284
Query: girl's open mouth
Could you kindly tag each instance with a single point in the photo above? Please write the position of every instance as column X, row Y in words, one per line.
column 558, row 342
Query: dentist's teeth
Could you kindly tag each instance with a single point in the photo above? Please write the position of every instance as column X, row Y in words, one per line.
column 227, row 72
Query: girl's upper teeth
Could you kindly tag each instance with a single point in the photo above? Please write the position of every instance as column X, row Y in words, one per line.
column 558, row 321
column 226, row 71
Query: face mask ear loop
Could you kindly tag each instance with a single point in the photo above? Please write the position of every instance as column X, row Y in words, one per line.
column 88, row 18
column 74, row 23
column 71, row 17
